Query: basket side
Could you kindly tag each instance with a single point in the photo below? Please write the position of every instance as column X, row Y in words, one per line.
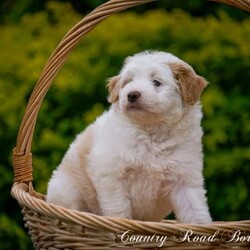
column 50, row 225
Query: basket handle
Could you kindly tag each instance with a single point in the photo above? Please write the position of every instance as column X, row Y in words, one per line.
column 241, row 4
column 22, row 157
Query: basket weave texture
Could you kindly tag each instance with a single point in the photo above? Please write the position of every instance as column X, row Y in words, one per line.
column 55, row 227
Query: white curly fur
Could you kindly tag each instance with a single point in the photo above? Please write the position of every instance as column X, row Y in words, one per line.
column 142, row 159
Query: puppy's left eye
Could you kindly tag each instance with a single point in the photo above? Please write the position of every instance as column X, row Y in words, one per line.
column 157, row 83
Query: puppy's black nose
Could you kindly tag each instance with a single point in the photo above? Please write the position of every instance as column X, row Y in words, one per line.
column 133, row 96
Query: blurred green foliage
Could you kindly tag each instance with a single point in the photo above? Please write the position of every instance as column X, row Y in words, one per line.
column 13, row 10
column 217, row 47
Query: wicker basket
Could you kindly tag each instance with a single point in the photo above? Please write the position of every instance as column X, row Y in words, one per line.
column 55, row 227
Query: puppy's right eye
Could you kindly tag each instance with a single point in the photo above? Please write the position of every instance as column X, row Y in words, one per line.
column 156, row 83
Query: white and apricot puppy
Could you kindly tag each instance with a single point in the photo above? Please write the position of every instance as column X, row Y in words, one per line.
column 143, row 158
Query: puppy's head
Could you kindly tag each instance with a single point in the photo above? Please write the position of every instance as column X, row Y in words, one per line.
column 155, row 86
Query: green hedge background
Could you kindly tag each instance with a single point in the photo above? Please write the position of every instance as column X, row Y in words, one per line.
column 217, row 46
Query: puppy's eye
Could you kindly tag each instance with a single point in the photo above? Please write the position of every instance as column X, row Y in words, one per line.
column 157, row 83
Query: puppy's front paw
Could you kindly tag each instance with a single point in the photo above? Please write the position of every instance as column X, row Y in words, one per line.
column 190, row 206
column 195, row 218
column 119, row 214
column 202, row 220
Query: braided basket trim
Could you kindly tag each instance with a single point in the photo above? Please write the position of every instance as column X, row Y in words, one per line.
column 114, row 224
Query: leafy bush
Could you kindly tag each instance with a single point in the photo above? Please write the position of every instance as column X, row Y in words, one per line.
column 216, row 47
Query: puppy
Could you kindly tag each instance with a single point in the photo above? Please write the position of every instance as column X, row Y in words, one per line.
column 143, row 158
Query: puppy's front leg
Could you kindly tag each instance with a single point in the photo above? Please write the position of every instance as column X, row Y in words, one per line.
column 112, row 199
column 190, row 205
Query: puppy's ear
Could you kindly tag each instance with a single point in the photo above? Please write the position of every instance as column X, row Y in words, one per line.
column 113, row 89
column 191, row 85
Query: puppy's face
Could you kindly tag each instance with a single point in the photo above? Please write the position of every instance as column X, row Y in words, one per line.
column 155, row 86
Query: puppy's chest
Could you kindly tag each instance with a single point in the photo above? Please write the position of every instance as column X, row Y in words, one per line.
column 148, row 152
column 119, row 149
column 145, row 166
column 140, row 181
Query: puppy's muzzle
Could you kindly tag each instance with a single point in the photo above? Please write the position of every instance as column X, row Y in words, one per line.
column 133, row 96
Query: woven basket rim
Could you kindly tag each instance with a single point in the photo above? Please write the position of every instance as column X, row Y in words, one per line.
column 22, row 189
column 113, row 224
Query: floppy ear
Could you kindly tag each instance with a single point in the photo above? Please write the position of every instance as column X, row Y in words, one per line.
column 191, row 85
column 113, row 89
